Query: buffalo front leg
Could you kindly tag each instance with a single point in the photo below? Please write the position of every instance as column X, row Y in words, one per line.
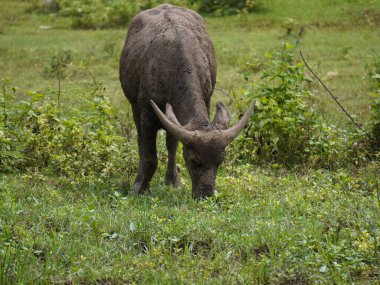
column 147, row 133
column 171, row 177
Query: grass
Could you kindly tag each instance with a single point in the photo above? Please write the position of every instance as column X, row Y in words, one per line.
column 27, row 50
column 261, row 228
column 265, row 225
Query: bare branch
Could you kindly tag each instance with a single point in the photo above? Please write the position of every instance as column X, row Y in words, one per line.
column 225, row 93
column 332, row 95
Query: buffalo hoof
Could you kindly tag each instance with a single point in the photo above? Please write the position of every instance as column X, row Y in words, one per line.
column 172, row 179
column 137, row 189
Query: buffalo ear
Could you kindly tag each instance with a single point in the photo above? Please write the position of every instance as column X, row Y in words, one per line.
column 232, row 132
column 174, row 128
column 222, row 117
column 170, row 114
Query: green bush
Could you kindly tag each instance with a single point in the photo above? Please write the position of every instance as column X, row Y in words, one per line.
column 224, row 7
column 81, row 145
column 282, row 124
column 374, row 77
column 99, row 14
column 8, row 138
column 284, row 128
column 59, row 63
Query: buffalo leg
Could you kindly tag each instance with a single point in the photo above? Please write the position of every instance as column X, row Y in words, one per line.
column 147, row 133
column 171, row 177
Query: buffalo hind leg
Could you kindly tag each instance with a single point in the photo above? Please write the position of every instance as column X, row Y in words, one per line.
column 147, row 133
column 171, row 177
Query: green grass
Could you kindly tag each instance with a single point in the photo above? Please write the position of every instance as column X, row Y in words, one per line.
column 338, row 37
column 265, row 225
column 262, row 228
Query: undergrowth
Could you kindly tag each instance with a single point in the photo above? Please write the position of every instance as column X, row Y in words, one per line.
column 374, row 79
column 42, row 134
column 99, row 14
column 225, row 7
column 285, row 128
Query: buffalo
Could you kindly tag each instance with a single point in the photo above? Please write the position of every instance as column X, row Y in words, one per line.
column 168, row 65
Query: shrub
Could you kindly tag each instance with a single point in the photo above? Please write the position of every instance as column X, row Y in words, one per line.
column 99, row 14
column 80, row 145
column 8, row 138
column 284, row 128
column 282, row 124
column 374, row 78
column 224, row 7
column 59, row 62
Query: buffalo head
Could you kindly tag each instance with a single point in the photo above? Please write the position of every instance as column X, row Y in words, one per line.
column 204, row 143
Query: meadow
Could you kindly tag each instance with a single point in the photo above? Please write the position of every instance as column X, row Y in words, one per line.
column 68, row 153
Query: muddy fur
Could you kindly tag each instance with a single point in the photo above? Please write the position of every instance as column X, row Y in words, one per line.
column 168, row 58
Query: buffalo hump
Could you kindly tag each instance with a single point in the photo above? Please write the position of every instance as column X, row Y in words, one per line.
column 168, row 64
column 168, row 57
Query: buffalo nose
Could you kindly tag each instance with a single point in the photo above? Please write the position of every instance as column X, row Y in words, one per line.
column 204, row 191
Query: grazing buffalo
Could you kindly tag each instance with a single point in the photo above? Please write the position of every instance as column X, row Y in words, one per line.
column 168, row 64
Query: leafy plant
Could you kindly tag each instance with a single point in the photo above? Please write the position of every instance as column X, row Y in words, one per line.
column 8, row 138
column 282, row 124
column 284, row 128
column 374, row 78
column 99, row 14
column 66, row 142
column 59, row 63
column 225, row 7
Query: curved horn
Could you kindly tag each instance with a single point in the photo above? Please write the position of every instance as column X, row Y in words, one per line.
column 232, row 132
column 172, row 125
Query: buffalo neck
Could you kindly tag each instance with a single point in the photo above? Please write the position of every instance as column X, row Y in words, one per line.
column 191, row 107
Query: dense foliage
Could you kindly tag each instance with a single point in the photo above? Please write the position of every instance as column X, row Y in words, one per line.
column 82, row 142
column 285, row 128
column 95, row 14
column 225, row 7
column 374, row 77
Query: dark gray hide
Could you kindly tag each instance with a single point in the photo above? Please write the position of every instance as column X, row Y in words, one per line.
column 168, row 63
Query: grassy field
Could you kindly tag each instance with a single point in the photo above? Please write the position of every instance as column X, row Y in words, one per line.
column 265, row 225
column 340, row 38
column 261, row 228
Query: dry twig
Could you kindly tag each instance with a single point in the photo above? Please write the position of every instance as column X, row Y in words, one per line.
column 332, row 95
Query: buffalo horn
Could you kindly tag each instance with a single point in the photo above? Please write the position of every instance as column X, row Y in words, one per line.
column 172, row 125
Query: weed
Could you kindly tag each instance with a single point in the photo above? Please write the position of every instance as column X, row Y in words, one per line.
column 59, row 63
